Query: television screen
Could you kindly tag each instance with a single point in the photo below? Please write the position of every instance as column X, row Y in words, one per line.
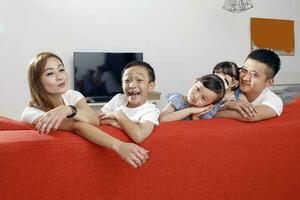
column 97, row 75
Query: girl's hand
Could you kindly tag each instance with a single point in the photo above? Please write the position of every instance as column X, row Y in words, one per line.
column 198, row 111
column 52, row 119
column 133, row 154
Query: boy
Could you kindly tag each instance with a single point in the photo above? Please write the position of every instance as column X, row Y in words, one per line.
column 131, row 111
column 256, row 75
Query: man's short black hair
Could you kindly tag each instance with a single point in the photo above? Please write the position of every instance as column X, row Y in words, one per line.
column 147, row 66
column 268, row 57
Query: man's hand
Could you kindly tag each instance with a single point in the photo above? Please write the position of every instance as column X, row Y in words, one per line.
column 246, row 109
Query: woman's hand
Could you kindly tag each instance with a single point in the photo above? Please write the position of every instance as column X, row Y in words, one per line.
column 52, row 119
column 133, row 154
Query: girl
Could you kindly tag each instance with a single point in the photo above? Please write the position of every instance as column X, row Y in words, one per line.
column 53, row 107
column 207, row 90
column 229, row 72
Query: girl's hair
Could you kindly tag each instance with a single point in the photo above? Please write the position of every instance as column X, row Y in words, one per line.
column 213, row 83
column 39, row 96
column 229, row 68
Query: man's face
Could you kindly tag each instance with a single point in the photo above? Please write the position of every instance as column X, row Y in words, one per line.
column 253, row 78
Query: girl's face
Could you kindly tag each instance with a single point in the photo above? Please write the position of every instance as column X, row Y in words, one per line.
column 54, row 77
column 229, row 81
column 200, row 96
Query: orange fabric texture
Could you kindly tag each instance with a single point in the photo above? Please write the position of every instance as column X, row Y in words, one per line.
column 206, row 159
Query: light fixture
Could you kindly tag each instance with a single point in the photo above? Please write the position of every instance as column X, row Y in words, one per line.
column 237, row 6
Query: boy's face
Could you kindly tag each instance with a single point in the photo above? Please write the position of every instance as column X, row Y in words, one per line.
column 200, row 96
column 253, row 78
column 136, row 86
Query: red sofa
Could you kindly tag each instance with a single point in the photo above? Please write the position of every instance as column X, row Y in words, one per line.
column 214, row 159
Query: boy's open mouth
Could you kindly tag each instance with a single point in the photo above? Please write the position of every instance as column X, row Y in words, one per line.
column 133, row 93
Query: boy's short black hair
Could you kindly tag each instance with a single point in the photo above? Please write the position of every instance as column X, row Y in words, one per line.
column 227, row 67
column 147, row 66
column 213, row 83
column 268, row 57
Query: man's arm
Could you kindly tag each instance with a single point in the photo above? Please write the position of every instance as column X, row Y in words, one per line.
column 262, row 112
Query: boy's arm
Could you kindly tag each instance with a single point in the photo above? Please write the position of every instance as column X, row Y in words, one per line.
column 262, row 112
column 111, row 122
column 137, row 132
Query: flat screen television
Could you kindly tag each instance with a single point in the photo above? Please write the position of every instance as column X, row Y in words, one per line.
column 97, row 75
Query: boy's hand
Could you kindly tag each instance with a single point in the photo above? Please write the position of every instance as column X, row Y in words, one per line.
column 111, row 122
column 109, row 115
column 245, row 108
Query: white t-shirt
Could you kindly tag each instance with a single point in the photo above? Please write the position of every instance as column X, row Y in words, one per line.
column 269, row 98
column 30, row 114
column 145, row 112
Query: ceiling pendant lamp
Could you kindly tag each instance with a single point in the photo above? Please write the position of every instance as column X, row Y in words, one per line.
column 237, row 6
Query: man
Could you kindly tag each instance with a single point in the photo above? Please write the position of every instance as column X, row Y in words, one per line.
column 256, row 76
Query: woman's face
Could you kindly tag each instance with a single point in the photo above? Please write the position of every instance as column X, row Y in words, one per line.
column 54, row 77
column 200, row 96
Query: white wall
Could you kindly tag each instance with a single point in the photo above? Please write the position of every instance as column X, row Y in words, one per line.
column 181, row 39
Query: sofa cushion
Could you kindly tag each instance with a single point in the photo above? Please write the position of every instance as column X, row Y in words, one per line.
column 10, row 124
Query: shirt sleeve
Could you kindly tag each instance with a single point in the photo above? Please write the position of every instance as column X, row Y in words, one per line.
column 152, row 116
column 275, row 103
column 210, row 114
column 117, row 101
column 176, row 100
column 30, row 114
column 71, row 97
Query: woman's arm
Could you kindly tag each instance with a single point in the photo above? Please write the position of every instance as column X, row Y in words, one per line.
column 85, row 113
column 131, row 153
column 53, row 118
